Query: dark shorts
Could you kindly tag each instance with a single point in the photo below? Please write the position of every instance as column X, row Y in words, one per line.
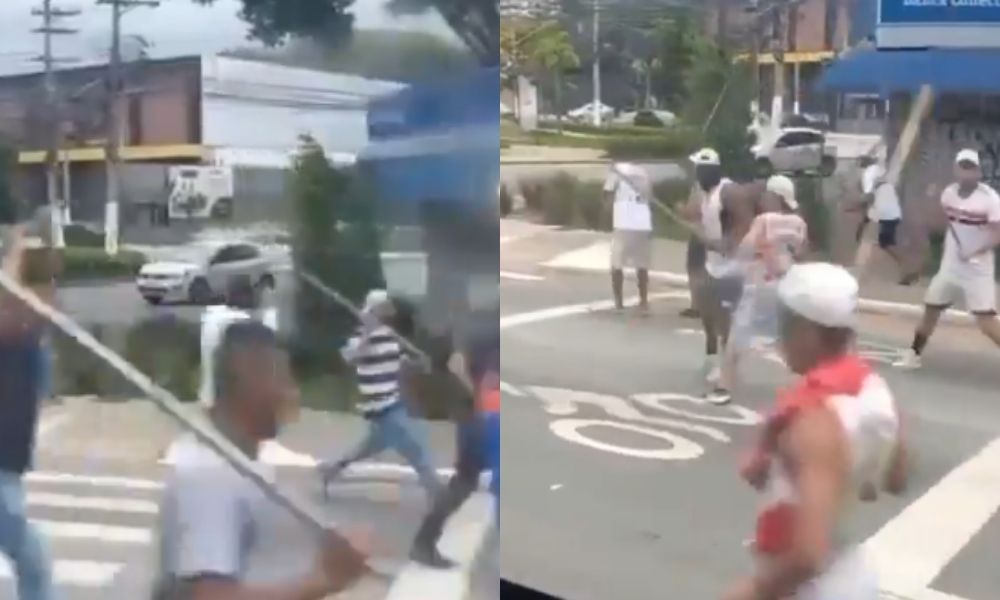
column 720, row 294
column 887, row 233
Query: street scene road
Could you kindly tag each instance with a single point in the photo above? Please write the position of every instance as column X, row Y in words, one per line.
column 626, row 481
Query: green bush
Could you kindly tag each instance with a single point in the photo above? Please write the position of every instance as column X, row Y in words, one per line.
column 82, row 264
column 559, row 201
column 78, row 236
column 645, row 118
column 593, row 212
column 666, row 143
column 606, row 130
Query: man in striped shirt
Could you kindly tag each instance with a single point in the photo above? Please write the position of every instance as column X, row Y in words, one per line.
column 377, row 356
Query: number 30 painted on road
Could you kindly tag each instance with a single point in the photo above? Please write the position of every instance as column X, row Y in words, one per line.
column 629, row 419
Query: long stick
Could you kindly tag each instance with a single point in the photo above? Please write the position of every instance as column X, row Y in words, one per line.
column 200, row 427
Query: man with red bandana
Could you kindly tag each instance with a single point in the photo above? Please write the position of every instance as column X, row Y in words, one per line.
column 830, row 442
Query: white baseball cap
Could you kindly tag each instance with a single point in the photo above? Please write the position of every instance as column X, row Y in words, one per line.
column 376, row 300
column 822, row 293
column 785, row 188
column 707, row 157
column 968, row 155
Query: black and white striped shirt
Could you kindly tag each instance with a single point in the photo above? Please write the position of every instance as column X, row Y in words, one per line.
column 377, row 357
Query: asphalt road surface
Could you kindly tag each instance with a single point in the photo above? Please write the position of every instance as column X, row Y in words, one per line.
column 621, row 483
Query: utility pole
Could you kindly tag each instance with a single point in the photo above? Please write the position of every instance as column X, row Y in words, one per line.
column 114, row 116
column 57, row 201
column 597, row 63
column 778, row 52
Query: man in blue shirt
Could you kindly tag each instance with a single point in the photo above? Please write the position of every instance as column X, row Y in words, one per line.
column 21, row 364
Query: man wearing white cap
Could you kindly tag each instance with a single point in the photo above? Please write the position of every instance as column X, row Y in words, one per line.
column 777, row 239
column 885, row 210
column 723, row 217
column 832, row 440
column 967, row 271
column 629, row 190
column 377, row 356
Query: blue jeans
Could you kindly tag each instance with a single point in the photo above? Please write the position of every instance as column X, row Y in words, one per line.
column 492, row 443
column 21, row 543
column 395, row 430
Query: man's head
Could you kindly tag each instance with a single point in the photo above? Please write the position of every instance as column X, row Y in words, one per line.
column 819, row 303
column 253, row 380
column 707, row 168
column 779, row 195
column 379, row 304
column 968, row 169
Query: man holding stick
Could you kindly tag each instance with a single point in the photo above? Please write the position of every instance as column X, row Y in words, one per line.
column 629, row 190
column 21, row 385
column 967, row 269
column 222, row 537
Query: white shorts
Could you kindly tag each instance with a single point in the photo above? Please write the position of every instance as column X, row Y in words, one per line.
column 976, row 292
column 632, row 249
column 756, row 316
column 848, row 577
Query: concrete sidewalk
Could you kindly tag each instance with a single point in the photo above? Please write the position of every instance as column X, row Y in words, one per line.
column 590, row 252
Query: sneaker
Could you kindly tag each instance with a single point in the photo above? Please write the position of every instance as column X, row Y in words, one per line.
column 910, row 361
column 719, row 397
column 430, row 557
column 690, row 313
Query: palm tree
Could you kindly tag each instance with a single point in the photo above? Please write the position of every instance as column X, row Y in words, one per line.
column 552, row 52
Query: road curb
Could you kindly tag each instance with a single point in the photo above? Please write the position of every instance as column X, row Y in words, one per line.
column 877, row 307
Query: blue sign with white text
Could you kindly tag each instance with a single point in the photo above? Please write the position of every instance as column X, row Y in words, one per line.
column 951, row 12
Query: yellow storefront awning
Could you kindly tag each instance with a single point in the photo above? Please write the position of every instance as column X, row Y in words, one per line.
column 128, row 154
column 767, row 58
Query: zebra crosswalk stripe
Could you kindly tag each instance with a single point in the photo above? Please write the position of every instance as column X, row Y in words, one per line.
column 77, row 573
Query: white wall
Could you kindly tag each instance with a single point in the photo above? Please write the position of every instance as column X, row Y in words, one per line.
column 259, row 110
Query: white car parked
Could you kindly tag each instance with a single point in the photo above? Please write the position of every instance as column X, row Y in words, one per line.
column 201, row 273
column 794, row 150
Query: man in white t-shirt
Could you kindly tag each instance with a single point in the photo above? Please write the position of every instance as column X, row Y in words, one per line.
column 629, row 189
column 884, row 208
column 967, row 271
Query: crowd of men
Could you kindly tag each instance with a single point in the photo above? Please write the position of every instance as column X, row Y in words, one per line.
column 835, row 437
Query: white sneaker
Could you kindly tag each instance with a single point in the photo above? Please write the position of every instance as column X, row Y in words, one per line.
column 719, row 397
column 910, row 361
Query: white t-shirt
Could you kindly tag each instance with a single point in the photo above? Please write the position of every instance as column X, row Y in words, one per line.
column 771, row 244
column 215, row 522
column 971, row 225
column 631, row 209
column 886, row 206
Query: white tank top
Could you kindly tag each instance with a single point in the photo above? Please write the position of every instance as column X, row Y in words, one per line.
column 717, row 264
column 871, row 425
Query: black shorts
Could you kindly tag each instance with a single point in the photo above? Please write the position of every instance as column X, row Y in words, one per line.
column 887, row 232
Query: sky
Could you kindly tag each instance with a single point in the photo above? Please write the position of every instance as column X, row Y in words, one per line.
column 177, row 27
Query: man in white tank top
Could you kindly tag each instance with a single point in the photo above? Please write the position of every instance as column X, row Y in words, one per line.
column 831, row 440
column 722, row 219
column 777, row 239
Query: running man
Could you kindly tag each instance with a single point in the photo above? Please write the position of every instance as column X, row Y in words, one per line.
column 967, row 271
column 221, row 536
column 378, row 358
column 884, row 208
column 629, row 190
column 831, row 442
column 777, row 239
column 724, row 215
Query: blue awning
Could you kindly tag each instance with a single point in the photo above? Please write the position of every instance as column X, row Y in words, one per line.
column 870, row 71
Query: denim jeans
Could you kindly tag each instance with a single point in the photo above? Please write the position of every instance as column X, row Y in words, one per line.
column 395, row 430
column 492, row 443
column 21, row 543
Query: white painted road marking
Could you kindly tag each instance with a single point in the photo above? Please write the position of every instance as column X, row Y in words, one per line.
column 558, row 312
column 114, row 482
column 461, row 542
column 108, row 534
column 507, row 388
column 911, row 550
column 520, row 276
column 123, row 505
column 79, row 573
column 680, row 448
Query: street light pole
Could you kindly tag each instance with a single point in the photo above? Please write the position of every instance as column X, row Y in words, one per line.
column 597, row 64
column 114, row 124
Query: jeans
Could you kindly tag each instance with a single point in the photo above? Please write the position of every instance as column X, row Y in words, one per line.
column 393, row 429
column 21, row 543
column 491, row 422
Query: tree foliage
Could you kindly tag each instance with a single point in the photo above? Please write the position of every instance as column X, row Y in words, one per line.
column 336, row 240
column 551, row 52
column 477, row 22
